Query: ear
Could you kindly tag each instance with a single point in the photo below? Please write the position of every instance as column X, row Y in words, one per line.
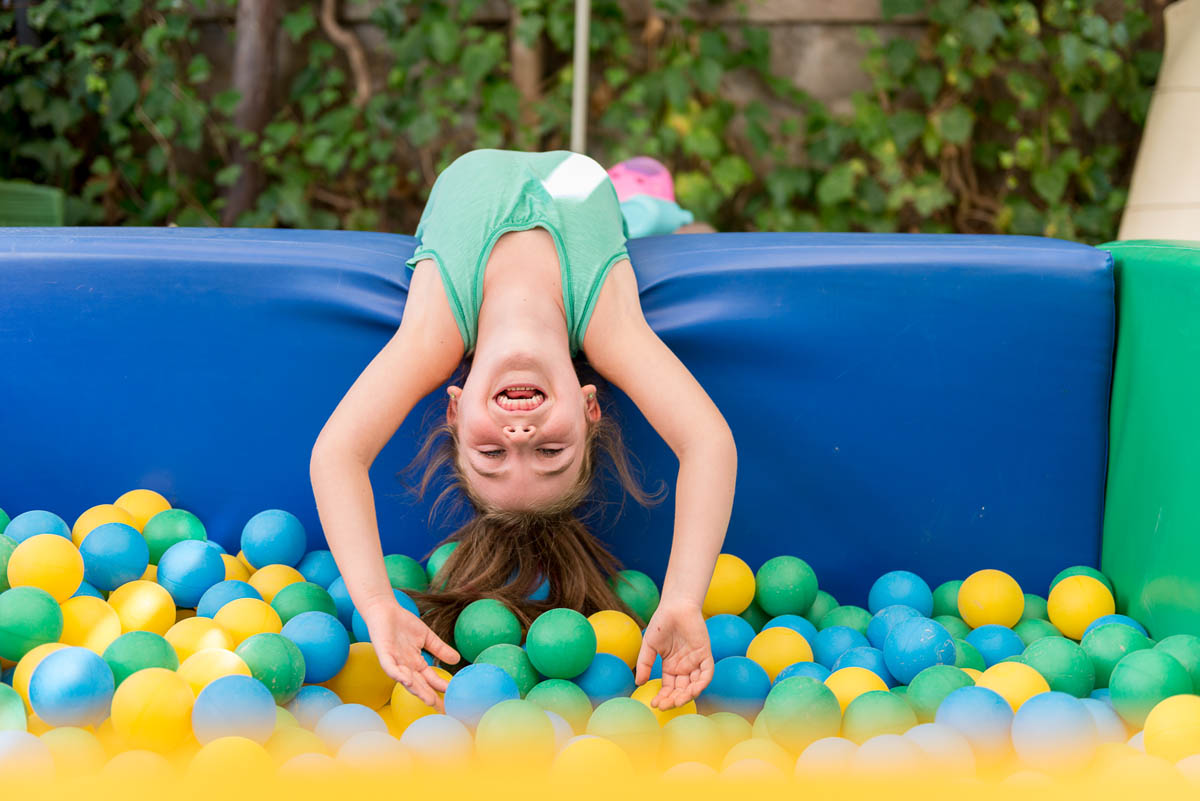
column 452, row 407
column 591, row 406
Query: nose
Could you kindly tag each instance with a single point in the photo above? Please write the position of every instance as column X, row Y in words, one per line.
column 518, row 433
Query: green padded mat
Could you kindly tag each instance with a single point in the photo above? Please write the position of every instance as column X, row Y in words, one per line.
column 1152, row 506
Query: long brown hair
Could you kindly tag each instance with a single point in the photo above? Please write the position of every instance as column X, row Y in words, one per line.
column 504, row 554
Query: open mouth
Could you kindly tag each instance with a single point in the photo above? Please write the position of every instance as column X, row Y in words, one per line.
column 524, row 398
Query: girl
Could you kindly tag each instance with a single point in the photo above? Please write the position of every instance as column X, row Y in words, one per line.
column 522, row 265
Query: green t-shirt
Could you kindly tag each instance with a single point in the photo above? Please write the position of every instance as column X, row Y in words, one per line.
column 486, row 193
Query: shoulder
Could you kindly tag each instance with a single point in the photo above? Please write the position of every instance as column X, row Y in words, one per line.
column 428, row 317
column 617, row 316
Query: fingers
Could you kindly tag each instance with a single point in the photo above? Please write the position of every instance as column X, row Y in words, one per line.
column 421, row 689
column 435, row 681
column 645, row 662
column 439, row 649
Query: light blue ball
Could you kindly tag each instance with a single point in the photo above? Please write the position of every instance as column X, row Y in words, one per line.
column 234, row 706
column 1125, row 619
column 915, row 644
column 801, row 625
column 886, row 754
column 218, row 547
column 809, row 669
column 982, row 716
column 477, row 688
column 834, row 641
column 438, row 740
column 739, row 685
column 113, row 554
column 34, row 522
column 72, row 687
column 607, row 677
column 89, row 590
column 371, row 750
column 323, row 641
column 274, row 537
column 901, row 587
column 359, row 626
column 343, row 722
column 541, row 592
column 24, row 754
column 341, row 599
column 995, row 643
column 728, row 635
column 885, row 620
column 1109, row 726
column 187, row 569
column 864, row 656
column 1054, row 731
column 319, row 568
column 1103, row 695
column 311, row 703
column 656, row 668
column 222, row 593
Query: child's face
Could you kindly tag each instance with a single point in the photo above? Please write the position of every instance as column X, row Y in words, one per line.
column 522, row 429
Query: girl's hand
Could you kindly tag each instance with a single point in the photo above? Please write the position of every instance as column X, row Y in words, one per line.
column 678, row 633
column 399, row 636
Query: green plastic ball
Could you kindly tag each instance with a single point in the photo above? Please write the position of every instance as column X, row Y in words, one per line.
column 7, row 546
column 1108, row 644
column 1064, row 665
column 638, row 591
column 877, row 712
column 785, row 585
column 275, row 661
column 755, row 616
column 799, row 711
column 966, row 655
column 945, row 599
column 169, row 527
column 561, row 644
column 955, row 625
column 854, row 617
column 900, row 691
column 1186, row 650
column 822, row 605
column 564, row 697
column 405, row 573
column 513, row 660
column 4, row 520
column 438, row 558
column 1035, row 608
column 1142, row 679
column 12, row 709
column 515, row 729
column 138, row 650
column 303, row 596
column 1081, row 570
column 631, row 725
column 1030, row 631
column 485, row 623
column 931, row 686
column 692, row 738
column 29, row 617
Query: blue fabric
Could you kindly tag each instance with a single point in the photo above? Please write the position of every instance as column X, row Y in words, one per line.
column 919, row 402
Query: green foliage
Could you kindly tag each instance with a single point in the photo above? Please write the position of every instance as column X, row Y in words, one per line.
column 1005, row 116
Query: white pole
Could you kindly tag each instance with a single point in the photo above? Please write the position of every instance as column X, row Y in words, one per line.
column 579, row 99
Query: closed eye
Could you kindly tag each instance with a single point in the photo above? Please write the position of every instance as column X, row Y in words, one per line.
column 550, row 451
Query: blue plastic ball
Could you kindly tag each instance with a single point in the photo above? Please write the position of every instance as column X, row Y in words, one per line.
column 323, row 641
column 885, row 620
column 1125, row 619
column 1109, row 726
column 995, row 643
column 218, row 547
column 234, row 706
column 1103, row 695
column 915, row 644
column 343, row 722
column 72, row 687
column 867, row 657
column 901, row 587
column 1054, row 731
column 810, row 669
column 801, row 625
column 739, row 685
column 728, row 635
column 656, row 668
column 34, row 522
column 187, row 569
column 477, row 688
column 982, row 716
column 89, row 590
column 319, row 568
column 834, row 641
column 359, row 626
column 113, row 554
column 274, row 537
column 541, row 592
column 341, row 599
column 311, row 703
column 607, row 677
column 438, row 740
column 222, row 593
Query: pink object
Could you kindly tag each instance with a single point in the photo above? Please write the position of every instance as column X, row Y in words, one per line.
column 642, row 175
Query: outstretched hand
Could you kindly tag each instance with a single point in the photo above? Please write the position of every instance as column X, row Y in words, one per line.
column 399, row 636
column 677, row 632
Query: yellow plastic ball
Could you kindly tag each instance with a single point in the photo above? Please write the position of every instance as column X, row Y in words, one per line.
column 733, row 728
column 1016, row 682
column 991, row 597
column 76, row 752
column 23, row 672
column 48, row 562
column 231, row 758
column 974, row 673
column 594, row 758
column 617, row 634
column 152, row 709
column 184, row 614
column 406, row 707
column 98, row 516
column 143, row 606
column 138, row 767
column 646, row 693
column 851, row 682
column 1075, row 602
column 90, row 623
column 731, row 589
column 151, row 573
column 197, row 633
column 246, row 617
column 691, row 738
column 776, row 648
column 206, row 666
column 270, row 579
column 288, row 742
column 142, row 504
column 36, row 726
column 361, row 680
column 283, row 718
column 1173, row 728
column 235, row 570
column 768, row 751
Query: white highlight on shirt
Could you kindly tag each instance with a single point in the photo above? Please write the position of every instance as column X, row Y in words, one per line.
column 575, row 177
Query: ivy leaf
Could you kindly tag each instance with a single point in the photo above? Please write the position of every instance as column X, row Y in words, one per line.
column 122, row 93
column 955, row 124
column 1091, row 106
column 199, row 70
column 905, row 126
column 786, row 182
column 730, row 173
column 443, row 40
column 928, row 80
column 837, row 185
column 227, row 176
column 299, row 22
column 901, row 54
column 1073, row 53
column 982, row 26
column 893, row 8
column 226, row 102
column 1050, row 183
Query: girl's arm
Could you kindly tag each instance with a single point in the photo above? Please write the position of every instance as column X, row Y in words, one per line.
column 620, row 344
column 421, row 355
